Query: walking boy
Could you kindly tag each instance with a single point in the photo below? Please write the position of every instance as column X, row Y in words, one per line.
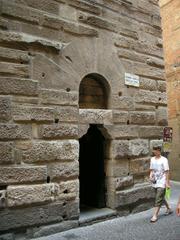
column 159, row 176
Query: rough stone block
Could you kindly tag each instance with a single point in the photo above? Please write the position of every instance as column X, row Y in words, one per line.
column 68, row 190
column 63, row 170
column 22, row 174
column 97, row 116
column 162, row 116
column 5, row 109
column 86, row 6
column 57, row 97
column 123, row 102
column 139, row 166
column 37, row 114
column 67, row 114
column 142, row 118
column 149, row 97
column 13, row 69
column 13, row 131
column 155, row 143
column 120, row 183
column 18, row 86
column 132, row 148
column 14, row 55
column 117, row 168
column 30, row 194
column 126, row 197
column 46, row 151
column 151, row 132
column 6, row 153
column 12, row 218
column 148, row 84
column 97, row 21
column 122, row 131
column 161, row 86
column 59, row 131
column 120, row 116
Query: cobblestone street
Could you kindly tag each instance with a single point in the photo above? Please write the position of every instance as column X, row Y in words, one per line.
column 133, row 227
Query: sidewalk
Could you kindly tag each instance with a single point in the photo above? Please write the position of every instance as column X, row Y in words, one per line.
column 132, row 227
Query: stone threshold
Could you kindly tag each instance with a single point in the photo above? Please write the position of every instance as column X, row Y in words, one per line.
column 90, row 215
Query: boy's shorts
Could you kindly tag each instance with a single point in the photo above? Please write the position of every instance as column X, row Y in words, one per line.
column 159, row 196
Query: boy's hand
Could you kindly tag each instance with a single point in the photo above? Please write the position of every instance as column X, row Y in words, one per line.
column 168, row 185
column 178, row 209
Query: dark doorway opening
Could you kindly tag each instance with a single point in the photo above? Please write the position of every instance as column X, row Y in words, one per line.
column 92, row 174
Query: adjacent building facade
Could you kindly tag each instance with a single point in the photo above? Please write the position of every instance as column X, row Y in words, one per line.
column 171, row 41
column 73, row 133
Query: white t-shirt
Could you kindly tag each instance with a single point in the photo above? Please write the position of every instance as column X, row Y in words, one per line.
column 159, row 166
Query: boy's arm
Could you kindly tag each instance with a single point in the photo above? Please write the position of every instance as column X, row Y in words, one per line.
column 167, row 179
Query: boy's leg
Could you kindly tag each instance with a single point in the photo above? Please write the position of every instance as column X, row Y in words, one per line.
column 160, row 193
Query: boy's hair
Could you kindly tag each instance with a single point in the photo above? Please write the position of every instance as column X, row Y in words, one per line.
column 157, row 148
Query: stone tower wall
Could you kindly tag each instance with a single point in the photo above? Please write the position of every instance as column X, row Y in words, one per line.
column 46, row 49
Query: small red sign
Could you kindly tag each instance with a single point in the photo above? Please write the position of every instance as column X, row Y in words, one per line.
column 167, row 134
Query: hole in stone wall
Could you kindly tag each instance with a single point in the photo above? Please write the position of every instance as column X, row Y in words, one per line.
column 56, row 120
column 127, row 122
column 48, row 179
column 64, row 203
column 68, row 89
column 43, row 74
column 159, row 99
column 65, row 191
column 120, row 94
column 3, row 187
column 68, row 58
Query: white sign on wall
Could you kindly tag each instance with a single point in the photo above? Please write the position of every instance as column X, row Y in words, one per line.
column 132, row 80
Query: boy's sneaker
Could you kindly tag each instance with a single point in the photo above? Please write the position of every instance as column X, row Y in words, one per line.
column 168, row 212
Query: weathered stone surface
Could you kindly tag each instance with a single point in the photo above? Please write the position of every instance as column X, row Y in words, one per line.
column 122, row 131
column 30, row 194
column 63, row 170
column 161, row 114
column 149, row 97
column 123, row 102
column 14, row 55
column 6, row 153
column 143, row 118
column 161, row 86
column 148, row 84
column 134, row 195
column 151, row 132
column 7, row 236
column 67, row 114
column 13, row 69
column 31, row 216
column 96, row 116
column 5, row 109
column 59, row 131
column 37, row 114
column 68, row 190
column 120, row 116
column 30, row 39
column 55, row 228
column 57, row 97
column 45, row 151
column 18, row 86
column 132, row 148
column 123, row 182
column 116, row 168
column 14, row 131
column 139, row 166
column 22, row 174
column 44, row 5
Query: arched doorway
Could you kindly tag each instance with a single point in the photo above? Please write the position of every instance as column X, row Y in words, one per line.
column 92, row 172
